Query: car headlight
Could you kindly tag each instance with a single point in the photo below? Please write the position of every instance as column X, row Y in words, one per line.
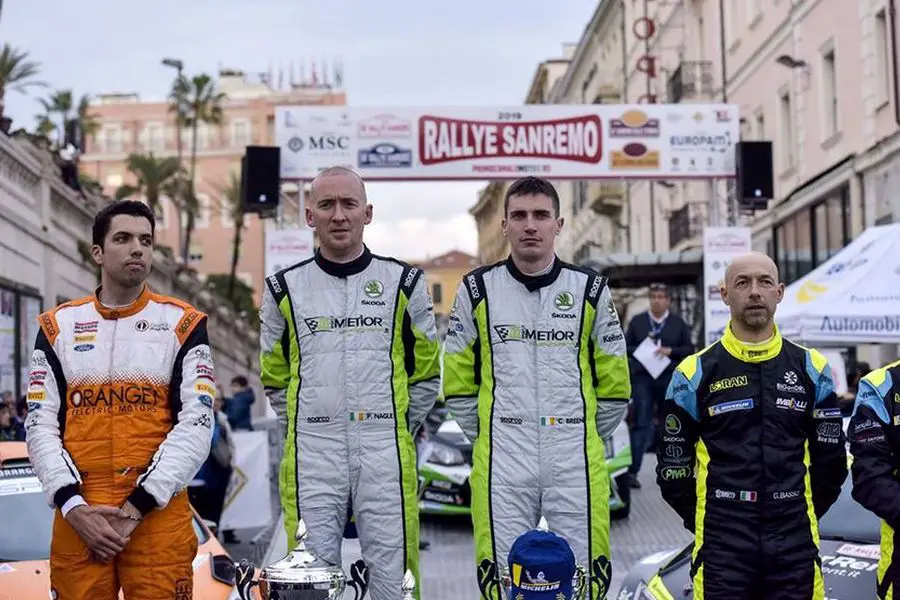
column 448, row 456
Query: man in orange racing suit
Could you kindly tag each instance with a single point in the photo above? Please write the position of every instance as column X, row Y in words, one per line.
column 120, row 420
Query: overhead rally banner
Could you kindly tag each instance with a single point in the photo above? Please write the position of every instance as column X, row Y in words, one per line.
column 639, row 141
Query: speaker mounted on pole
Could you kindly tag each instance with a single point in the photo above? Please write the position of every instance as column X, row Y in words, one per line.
column 261, row 179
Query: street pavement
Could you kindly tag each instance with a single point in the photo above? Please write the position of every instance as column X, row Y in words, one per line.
column 448, row 565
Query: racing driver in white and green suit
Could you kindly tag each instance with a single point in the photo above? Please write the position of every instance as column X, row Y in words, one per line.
column 351, row 363
column 536, row 374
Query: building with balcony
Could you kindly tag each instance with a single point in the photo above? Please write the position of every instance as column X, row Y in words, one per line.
column 488, row 210
column 128, row 124
column 594, row 211
column 45, row 239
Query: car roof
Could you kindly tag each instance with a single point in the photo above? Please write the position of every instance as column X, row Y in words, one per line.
column 13, row 452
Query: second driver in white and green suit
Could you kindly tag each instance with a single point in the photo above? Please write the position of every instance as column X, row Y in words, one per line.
column 351, row 363
column 536, row 374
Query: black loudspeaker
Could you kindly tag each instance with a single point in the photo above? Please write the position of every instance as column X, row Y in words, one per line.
column 261, row 179
column 755, row 180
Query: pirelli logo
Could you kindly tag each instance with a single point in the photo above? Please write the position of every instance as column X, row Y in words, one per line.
column 728, row 383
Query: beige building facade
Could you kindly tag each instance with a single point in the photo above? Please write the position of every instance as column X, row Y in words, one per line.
column 128, row 124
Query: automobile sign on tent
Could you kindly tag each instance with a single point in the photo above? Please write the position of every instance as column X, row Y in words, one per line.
column 852, row 298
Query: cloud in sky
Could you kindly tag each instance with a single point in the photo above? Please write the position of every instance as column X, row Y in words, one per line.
column 402, row 53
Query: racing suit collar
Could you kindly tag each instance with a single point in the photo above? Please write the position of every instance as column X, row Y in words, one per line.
column 534, row 282
column 336, row 269
column 121, row 312
column 748, row 352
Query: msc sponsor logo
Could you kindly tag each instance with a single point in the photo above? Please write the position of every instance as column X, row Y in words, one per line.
column 675, row 473
column 542, row 337
column 734, row 405
column 728, row 383
column 319, row 143
column 344, row 324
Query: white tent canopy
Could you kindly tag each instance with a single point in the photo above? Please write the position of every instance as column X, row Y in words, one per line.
column 852, row 298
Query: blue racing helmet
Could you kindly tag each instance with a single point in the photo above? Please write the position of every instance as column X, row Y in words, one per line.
column 541, row 567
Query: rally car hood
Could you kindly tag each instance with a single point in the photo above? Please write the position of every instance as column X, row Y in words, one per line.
column 848, row 569
column 26, row 579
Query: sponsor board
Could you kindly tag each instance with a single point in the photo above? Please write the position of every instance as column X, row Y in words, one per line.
column 555, row 141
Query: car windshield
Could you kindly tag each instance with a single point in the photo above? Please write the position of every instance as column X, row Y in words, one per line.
column 847, row 520
column 26, row 536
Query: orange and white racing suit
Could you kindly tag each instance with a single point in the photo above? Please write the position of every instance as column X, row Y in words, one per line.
column 120, row 408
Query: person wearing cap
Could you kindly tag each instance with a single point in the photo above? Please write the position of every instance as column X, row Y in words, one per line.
column 536, row 375
column 672, row 338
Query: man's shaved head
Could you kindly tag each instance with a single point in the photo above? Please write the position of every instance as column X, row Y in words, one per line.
column 343, row 172
column 752, row 290
column 751, row 260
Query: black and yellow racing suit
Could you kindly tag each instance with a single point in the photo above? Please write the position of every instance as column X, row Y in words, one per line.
column 752, row 454
column 875, row 446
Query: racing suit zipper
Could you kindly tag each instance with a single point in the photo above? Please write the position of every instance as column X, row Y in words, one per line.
column 761, row 483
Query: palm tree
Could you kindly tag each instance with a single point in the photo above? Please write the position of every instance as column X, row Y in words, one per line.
column 16, row 72
column 234, row 208
column 59, row 103
column 45, row 125
column 90, row 123
column 155, row 178
column 194, row 101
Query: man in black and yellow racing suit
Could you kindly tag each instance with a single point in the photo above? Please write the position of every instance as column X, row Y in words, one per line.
column 752, row 450
column 874, row 445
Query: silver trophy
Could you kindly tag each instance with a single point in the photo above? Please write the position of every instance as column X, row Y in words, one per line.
column 301, row 575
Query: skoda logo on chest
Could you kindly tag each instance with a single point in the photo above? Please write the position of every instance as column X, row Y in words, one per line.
column 563, row 302
column 373, row 288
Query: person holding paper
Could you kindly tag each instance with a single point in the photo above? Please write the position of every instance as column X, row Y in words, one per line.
column 670, row 338
column 536, row 374
column 753, row 451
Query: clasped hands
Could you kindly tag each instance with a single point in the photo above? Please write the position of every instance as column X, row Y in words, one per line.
column 106, row 530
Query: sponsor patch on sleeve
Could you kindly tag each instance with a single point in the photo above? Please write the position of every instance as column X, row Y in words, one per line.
column 827, row 413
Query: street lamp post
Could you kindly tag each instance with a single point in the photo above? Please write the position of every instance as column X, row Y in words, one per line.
column 178, row 65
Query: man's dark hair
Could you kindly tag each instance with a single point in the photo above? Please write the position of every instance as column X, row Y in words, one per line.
column 658, row 287
column 530, row 186
column 240, row 380
column 133, row 208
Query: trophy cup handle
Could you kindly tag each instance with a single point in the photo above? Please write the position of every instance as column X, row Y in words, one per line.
column 359, row 579
column 244, row 582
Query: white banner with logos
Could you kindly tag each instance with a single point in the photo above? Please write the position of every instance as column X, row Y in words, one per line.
column 721, row 245
column 851, row 298
column 284, row 247
column 247, row 502
column 549, row 140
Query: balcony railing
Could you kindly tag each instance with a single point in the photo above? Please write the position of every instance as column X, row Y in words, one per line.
column 606, row 198
column 692, row 80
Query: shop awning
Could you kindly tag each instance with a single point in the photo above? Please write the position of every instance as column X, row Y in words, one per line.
column 673, row 268
column 852, row 298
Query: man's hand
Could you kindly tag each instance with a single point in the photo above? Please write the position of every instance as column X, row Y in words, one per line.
column 664, row 351
column 91, row 523
column 125, row 520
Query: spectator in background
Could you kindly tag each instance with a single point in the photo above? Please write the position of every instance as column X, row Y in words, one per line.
column 20, row 414
column 672, row 337
column 853, row 376
column 238, row 406
column 6, row 398
column 8, row 430
column 209, row 498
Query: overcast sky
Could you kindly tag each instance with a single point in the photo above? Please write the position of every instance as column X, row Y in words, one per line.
column 398, row 53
